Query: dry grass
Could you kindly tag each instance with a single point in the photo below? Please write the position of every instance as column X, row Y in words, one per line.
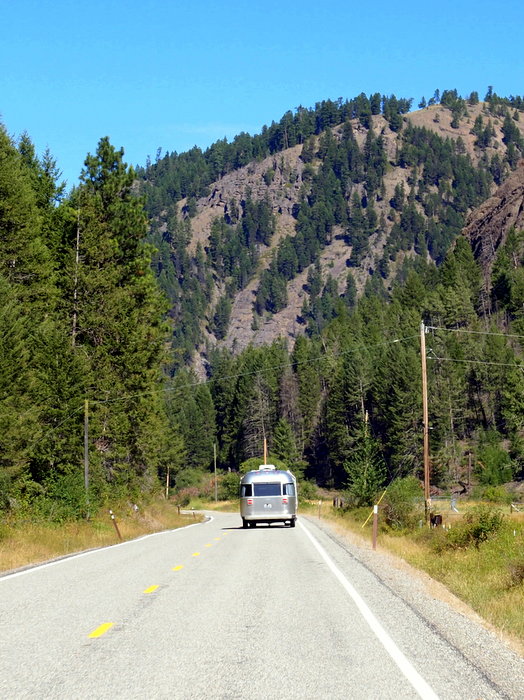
column 27, row 543
column 222, row 506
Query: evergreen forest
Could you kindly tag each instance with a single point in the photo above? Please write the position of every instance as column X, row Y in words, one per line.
column 115, row 313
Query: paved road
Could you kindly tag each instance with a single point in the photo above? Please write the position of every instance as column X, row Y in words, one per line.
column 215, row 611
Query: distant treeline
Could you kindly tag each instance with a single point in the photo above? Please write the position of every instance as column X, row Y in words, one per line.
column 175, row 176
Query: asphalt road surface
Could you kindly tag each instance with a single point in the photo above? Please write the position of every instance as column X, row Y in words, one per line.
column 215, row 611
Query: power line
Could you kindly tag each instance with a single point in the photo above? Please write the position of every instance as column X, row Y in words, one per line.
column 254, row 372
column 192, row 385
column 54, row 428
column 479, row 362
column 463, row 330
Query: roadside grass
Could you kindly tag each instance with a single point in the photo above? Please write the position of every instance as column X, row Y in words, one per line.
column 482, row 576
column 24, row 542
column 231, row 506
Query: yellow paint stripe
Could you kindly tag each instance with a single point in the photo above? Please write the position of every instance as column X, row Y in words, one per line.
column 196, row 554
column 208, row 545
column 150, row 589
column 177, row 568
column 217, row 539
column 101, row 630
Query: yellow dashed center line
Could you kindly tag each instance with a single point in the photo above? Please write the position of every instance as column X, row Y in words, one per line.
column 217, row 539
column 208, row 545
column 195, row 554
column 101, row 630
column 177, row 568
column 150, row 589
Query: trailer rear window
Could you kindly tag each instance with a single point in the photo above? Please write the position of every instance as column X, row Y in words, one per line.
column 267, row 489
column 246, row 490
column 289, row 489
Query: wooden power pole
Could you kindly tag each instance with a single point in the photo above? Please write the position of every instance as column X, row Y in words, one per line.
column 427, row 501
column 86, row 453
column 215, row 469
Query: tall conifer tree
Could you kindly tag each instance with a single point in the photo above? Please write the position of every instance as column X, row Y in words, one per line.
column 116, row 314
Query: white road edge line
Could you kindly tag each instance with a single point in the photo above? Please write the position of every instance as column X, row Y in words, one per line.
column 412, row 675
column 68, row 557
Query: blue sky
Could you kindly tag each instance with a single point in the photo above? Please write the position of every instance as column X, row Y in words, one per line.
column 172, row 74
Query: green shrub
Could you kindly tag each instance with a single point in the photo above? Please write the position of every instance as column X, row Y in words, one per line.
column 494, row 465
column 228, row 486
column 65, row 498
column 307, row 490
column 477, row 526
column 495, row 494
column 5, row 488
column 186, row 478
column 401, row 507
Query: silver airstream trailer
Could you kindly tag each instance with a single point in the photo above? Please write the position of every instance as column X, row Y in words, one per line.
column 268, row 495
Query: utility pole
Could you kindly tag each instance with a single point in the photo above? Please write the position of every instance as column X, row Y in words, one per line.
column 215, row 463
column 427, row 500
column 86, row 451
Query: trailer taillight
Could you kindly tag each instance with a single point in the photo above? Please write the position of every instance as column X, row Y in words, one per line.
column 284, row 500
column 250, row 501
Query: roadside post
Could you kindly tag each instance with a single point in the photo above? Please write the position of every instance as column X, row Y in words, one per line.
column 113, row 520
column 374, row 513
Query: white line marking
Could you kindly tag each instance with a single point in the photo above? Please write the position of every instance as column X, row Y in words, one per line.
column 68, row 557
column 411, row 674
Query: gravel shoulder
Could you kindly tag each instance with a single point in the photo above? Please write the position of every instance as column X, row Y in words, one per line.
column 501, row 659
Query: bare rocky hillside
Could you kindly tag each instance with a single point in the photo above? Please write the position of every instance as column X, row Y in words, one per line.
column 283, row 190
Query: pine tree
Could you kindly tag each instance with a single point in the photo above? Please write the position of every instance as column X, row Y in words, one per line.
column 221, row 317
column 306, row 368
column 283, row 443
column 19, row 414
column 25, row 261
column 116, row 316
column 191, row 410
column 365, row 468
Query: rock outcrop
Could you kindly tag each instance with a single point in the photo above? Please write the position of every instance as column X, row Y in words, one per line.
column 487, row 226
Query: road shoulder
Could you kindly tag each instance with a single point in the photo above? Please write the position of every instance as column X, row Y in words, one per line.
column 501, row 658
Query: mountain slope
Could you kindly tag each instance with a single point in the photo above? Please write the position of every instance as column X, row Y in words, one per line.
column 363, row 196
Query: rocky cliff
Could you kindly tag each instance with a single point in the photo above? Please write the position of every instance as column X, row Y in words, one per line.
column 488, row 225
